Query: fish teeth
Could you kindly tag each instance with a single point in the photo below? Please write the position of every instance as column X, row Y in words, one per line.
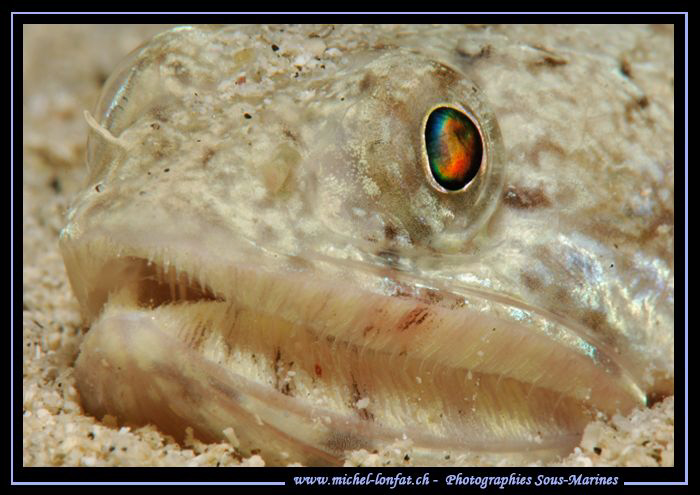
column 171, row 284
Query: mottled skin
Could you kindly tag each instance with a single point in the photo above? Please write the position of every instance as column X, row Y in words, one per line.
column 258, row 246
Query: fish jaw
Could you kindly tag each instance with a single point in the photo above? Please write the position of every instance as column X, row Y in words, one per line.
column 307, row 361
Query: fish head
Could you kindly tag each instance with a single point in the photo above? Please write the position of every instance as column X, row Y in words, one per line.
column 277, row 244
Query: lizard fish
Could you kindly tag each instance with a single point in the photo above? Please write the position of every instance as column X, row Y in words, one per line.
column 309, row 240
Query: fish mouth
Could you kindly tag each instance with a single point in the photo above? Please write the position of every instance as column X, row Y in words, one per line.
column 304, row 364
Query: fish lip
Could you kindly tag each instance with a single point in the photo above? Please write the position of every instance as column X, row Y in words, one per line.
column 106, row 256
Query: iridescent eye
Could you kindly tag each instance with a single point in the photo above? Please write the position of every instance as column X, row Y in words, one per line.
column 453, row 149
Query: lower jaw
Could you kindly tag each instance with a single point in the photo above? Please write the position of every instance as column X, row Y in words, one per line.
column 340, row 372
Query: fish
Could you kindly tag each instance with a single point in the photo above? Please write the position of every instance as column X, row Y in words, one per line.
column 309, row 240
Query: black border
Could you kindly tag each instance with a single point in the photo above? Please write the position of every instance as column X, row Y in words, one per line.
column 20, row 473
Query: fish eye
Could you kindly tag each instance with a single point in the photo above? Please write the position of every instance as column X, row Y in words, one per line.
column 424, row 160
column 453, row 148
